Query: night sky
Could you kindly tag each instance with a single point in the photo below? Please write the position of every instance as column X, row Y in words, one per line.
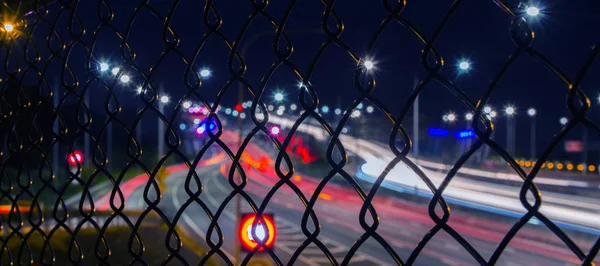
column 478, row 31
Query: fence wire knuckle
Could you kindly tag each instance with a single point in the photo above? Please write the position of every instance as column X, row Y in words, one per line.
column 53, row 95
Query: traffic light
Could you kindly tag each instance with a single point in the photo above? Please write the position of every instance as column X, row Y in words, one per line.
column 264, row 231
column 239, row 108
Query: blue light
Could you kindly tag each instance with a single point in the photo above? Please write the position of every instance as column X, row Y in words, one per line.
column 464, row 134
column 438, row 132
column 202, row 127
column 182, row 126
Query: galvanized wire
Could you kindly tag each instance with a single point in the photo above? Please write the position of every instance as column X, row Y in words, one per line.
column 27, row 141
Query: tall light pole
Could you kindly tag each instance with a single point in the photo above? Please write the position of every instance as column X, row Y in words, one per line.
column 416, row 119
column 163, row 100
column 531, row 113
column 510, row 129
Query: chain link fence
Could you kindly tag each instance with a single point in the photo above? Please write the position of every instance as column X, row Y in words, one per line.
column 85, row 96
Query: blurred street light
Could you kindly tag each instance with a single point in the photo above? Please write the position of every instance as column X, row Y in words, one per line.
column 164, row 99
column 270, row 107
column 125, row 78
column 445, row 118
column 370, row 109
column 275, row 130
column 509, row 110
column 196, row 121
column 464, row 65
column 186, row 104
column 369, row 64
column 242, row 115
column 360, row 106
column 345, row 130
column 563, row 121
column 115, row 70
column 205, row 73
column 531, row 112
column 293, row 107
column 493, row 114
column 8, row 27
column 234, row 113
column 279, row 96
column 325, row 109
column 337, row 111
column 227, row 110
column 469, row 116
column 451, row 117
column 356, row 113
column 487, row 109
column 532, row 11
column 104, row 66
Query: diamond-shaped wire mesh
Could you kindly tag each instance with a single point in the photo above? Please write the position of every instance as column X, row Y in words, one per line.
column 58, row 98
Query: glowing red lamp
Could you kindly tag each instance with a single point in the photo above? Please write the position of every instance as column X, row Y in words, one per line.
column 264, row 231
column 75, row 158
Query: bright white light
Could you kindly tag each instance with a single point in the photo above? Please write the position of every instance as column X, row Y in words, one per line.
column 125, row 78
column 325, row 109
column 360, row 106
column 270, row 107
column 115, row 70
column 356, row 113
column 464, row 65
column 279, row 96
column 186, row 104
column 227, row 110
column 242, row 115
column 196, row 121
column 487, row 109
column 260, row 116
column 244, row 105
column 104, row 67
column 345, row 130
column 564, row 121
column 164, row 99
column 205, row 73
column 279, row 112
column 469, row 116
column 275, row 130
column 531, row 112
column 445, row 118
column 293, row 107
column 532, row 11
column 493, row 114
column 234, row 113
column 8, row 27
column 140, row 90
column 370, row 109
column 281, row 107
column 338, row 111
column 509, row 110
column 261, row 232
column 451, row 117
column 369, row 64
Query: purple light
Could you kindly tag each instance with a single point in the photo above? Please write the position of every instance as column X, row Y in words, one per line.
column 275, row 130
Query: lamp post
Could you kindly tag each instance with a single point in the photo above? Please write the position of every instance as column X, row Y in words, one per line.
column 163, row 100
column 531, row 113
column 510, row 129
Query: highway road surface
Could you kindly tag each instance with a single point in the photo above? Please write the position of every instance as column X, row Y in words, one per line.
column 403, row 222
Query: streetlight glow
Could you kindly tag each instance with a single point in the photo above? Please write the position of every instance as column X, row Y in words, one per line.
column 493, row 114
column 563, row 121
column 469, row 116
column 487, row 109
column 464, row 65
column 369, row 64
column 338, row 111
column 293, row 107
column 278, row 96
column 125, row 78
column 451, row 117
column 205, row 73
column 104, row 67
column 164, row 99
column 186, row 104
column 270, row 107
column 275, row 130
column 509, row 110
column 531, row 112
column 325, row 109
column 8, row 27
column 532, row 11
column 356, row 113
column 370, row 109
column 115, row 70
